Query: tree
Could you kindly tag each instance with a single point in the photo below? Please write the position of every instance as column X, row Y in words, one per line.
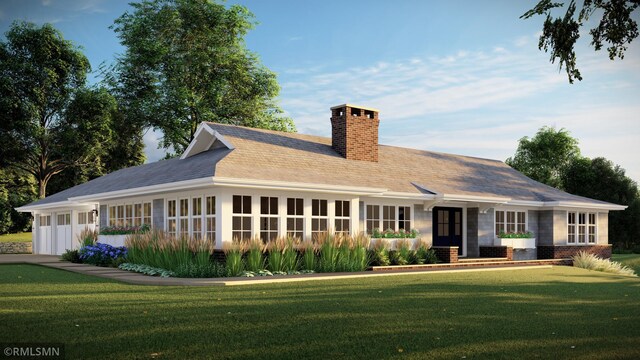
column 546, row 156
column 601, row 179
column 616, row 28
column 50, row 122
column 186, row 62
column 16, row 189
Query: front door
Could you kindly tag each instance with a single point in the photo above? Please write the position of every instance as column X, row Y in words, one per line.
column 447, row 227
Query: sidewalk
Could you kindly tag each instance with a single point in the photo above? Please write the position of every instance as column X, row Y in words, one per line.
column 54, row 261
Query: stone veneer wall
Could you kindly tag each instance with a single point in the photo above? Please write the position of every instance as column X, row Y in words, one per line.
column 486, row 228
column 472, row 232
column 15, row 248
column 567, row 251
column 103, row 216
column 158, row 214
column 423, row 222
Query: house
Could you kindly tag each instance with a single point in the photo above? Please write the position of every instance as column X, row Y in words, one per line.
column 238, row 182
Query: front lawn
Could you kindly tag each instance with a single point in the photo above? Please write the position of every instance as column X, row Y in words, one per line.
column 630, row 260
column 18, row 237
column 558, row 313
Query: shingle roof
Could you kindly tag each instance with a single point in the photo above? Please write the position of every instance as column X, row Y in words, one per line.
column 270, row 155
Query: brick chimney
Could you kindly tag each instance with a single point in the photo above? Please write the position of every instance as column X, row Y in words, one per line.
column 354, row 132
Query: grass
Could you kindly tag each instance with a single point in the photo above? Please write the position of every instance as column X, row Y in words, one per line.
column 630, row 260
column 558, row 313
column 18, row 237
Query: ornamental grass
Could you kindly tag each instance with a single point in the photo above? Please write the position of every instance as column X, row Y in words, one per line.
column 589, row 261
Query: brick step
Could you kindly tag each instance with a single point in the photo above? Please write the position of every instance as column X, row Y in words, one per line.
column 467, row 260
column 472, row 264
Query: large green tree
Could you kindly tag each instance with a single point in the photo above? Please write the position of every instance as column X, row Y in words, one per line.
column 186, row 62
column 601, row 179
column 546, row 156
column 616, row 29
column 49, row 121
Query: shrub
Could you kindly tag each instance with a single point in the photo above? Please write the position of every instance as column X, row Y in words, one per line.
column 72, row 256
column 592, row 262
column 290, row 260
column 379, row 253
column 158, row 249
column 146, row 269
column 516, row 235
column 101, row 254
column 275, row 255
column 328, row 252
column 125, row 230
column 195, row 270
column 309, row 256
column 87, row 238
column 254, row 258
column 360, row 258
column 233, row 253
column 424, row 254
column 402, row 254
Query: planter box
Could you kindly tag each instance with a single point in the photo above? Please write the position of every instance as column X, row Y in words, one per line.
column 113, row 240
column 517, row 243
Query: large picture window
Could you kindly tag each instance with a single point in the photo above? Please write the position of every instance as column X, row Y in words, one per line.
column 582, row 228
column 268, row 218
column 342, row 208
column 171, row 218
column 241, row 220
column 372, row 218
column 295, row 217
column 196, row 218
column 319, row 217
column 510, row 221
column 404, row 218
column 135, row 214
column 388, row 218
column 210, row 217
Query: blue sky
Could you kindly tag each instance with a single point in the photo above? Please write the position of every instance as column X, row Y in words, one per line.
column 464, row 77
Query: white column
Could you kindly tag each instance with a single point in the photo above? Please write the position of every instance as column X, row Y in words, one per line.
column 464, row 231
column 282, row 216
column 224, row 208
column 331, row 213
column 74, row 230
column 255, row 212
column 307, row 217
column 354, row 221
column 36, row 237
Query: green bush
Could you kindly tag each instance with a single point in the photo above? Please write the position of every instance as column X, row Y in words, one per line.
column 195, row 270
column 158, row 249
column 328, row 253
column 403, row 254
column 72, row 256
column 379, row 254
column 309, row 256
column 254, row 258
column 234, row 264
column 425, row 255
column 146, row 269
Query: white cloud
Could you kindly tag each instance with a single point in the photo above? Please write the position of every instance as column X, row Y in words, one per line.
column 151, row 141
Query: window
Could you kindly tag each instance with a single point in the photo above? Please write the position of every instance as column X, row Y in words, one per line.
column 295, row 217
column 457, row 222
column 582, row 228
column 196, row 218
column 571, row 230
column 171, row 217
column 241, row 220
column 404, row 218
column 112, row 216
column 510, row 221
column 443, row 222
column 82, row 218
column 64, row 219
column 388, row 218
column 45, row 220
column 372, row 218
column 127, row 215
column 592, row 229
column 342, row 216
column 183, row 225
column 90, row 219
column 268, row 218
column 210, row 217
column 319, row 217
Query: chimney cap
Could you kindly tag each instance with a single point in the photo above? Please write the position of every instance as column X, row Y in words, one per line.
column 354, row 106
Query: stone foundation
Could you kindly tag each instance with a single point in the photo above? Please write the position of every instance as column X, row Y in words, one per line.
column 446, row 254
column 525, row 254
column 496, row 252
column 15, row 248
column 567, row 251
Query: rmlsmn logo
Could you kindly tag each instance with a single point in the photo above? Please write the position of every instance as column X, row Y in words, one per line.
column 32, row 351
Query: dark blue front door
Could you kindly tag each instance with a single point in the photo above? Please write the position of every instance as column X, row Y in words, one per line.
column 447, row 227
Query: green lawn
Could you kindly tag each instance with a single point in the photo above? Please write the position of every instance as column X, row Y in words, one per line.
column 19, row 237
column 556, row 313
column 630, row 260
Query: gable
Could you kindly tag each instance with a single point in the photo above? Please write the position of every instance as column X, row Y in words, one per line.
column 205, row 139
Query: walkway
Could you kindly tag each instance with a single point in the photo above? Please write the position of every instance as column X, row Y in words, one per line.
column 53, row 261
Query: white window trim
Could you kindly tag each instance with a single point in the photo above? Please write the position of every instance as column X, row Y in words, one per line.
column 577, row 231
column 320, row 217
column 287, row 216
column 124, row 208
column 396, row 216
column 270, row 216
column 505, row 210
column 342, row 217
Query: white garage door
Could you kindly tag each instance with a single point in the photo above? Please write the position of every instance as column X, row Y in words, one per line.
column 44, row 242
column 63, row 233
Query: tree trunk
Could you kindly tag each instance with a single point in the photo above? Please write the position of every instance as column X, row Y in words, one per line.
column 42, row 188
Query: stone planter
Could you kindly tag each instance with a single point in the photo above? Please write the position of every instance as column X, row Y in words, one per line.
column 113, row 240
column 15, row 247
column 517, row 243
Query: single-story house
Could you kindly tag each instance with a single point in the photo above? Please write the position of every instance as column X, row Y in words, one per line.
column 235, row 182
